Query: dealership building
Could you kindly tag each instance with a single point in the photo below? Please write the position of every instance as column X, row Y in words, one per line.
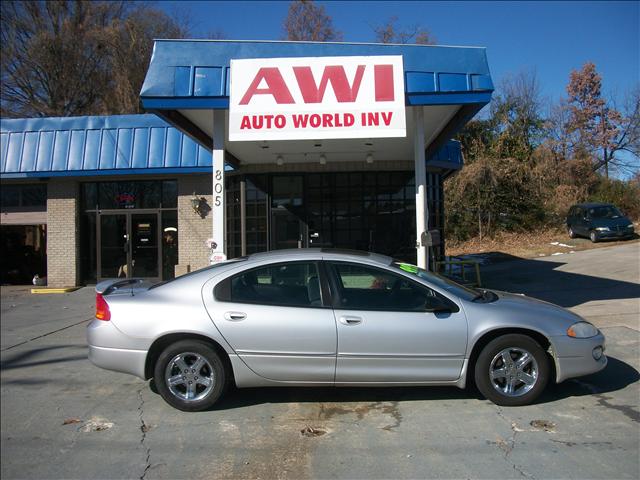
column 246, row 147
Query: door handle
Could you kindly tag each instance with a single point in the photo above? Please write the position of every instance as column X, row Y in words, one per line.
column 235, row 316
column 349, row 320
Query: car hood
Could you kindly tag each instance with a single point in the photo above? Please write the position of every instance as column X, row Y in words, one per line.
column 517, row 310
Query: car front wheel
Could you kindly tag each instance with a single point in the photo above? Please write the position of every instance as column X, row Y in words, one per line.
column 593, row 236
column 512, row 370
column 190, row 375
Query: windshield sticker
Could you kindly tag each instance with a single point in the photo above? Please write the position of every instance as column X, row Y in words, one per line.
column 407, row 267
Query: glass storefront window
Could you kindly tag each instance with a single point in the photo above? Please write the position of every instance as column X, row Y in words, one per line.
column 129, row 194
column 23, row 196
column 88, row 259
column 118, row 239
column 360, row 210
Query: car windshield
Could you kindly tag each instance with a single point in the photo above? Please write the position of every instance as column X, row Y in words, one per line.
column 607, row 211
column 445, row 283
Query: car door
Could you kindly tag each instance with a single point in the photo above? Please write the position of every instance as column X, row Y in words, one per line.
column 274, row 318
column 385, row 333
column 582, row 221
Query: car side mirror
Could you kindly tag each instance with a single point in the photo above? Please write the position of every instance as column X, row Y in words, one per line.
column 437, row 305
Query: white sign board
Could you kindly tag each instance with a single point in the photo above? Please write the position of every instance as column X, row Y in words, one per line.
column 317, row 98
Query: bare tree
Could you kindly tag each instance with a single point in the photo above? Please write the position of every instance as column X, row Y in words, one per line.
column 53, row 56
column 131, row 46
column 74, row 57
column 308, row 22
column 390, row 32
column 515, row 112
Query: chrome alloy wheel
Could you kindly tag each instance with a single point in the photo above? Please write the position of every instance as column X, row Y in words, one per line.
column 513, row 372
column 189, row 376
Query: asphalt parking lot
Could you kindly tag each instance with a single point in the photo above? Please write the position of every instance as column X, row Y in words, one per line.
column 63, row 418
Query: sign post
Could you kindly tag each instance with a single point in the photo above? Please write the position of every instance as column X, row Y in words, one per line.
column 422, row 211
column 218, row 248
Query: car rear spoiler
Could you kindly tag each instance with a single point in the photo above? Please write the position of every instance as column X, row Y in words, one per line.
column 127, row 285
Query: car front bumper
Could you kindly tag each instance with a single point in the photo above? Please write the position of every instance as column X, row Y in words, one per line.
column 626, row 233
column 102, row 338
column 574, row 356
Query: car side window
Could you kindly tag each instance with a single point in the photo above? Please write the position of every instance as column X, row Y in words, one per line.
column 286, row 284
column 368, row 288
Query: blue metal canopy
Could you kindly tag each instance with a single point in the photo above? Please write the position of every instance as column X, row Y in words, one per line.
column 194, row 74
column 187, row 76
column 105, row 145
column 118, row 145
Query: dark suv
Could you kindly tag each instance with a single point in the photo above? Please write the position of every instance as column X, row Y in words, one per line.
column 598, row 221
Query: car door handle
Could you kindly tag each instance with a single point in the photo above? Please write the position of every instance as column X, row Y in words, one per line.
column 235, row 316
column 349, row 320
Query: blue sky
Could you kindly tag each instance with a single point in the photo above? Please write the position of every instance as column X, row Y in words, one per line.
column 549, row 37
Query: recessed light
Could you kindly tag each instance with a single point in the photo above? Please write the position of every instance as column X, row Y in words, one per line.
column 317, row 144
column 369, row 144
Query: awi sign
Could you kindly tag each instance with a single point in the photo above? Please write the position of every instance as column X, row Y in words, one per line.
column 317, row 98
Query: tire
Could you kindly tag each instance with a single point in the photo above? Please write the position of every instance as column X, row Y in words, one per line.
column 529, row 380
column 571, row 233
column 593, row 236
column 199, row 376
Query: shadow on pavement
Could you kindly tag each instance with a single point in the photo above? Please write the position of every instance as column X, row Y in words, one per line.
column 28, row 358
column 616, row 376
column 541, row 279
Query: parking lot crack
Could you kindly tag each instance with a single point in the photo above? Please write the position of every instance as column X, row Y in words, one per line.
column 143, row 429
column 509, row 444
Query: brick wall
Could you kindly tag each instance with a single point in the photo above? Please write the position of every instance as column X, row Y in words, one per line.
column 62, row 233
column 193, row 231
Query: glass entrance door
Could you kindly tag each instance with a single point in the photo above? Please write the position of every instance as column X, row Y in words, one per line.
column 113, row 260
column 144, row 242
column 129, row 245
column 287, row 230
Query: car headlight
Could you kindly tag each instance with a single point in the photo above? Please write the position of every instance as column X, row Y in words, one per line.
column 630, row 226
column 582, row 330
column 602, row 229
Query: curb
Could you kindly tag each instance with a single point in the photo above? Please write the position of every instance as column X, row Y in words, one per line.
column 54, row 290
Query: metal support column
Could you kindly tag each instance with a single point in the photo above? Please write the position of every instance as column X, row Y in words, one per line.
column 422, row 209
column 218, row 209
column 243, row 217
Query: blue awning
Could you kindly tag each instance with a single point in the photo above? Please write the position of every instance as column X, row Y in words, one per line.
column 101, row 145
column 119, row 145
column 187, row 77
column 194, row 74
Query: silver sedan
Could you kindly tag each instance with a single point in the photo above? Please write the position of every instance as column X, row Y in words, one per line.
column 322, row 317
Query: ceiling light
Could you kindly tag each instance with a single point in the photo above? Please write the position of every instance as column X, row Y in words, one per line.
column 279, row 160
column 323, row 159
column 369, row 158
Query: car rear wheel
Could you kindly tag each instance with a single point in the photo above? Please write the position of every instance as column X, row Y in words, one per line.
column 190, row 375
column 572, row 234
column 593, row 236
column 512, row 370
